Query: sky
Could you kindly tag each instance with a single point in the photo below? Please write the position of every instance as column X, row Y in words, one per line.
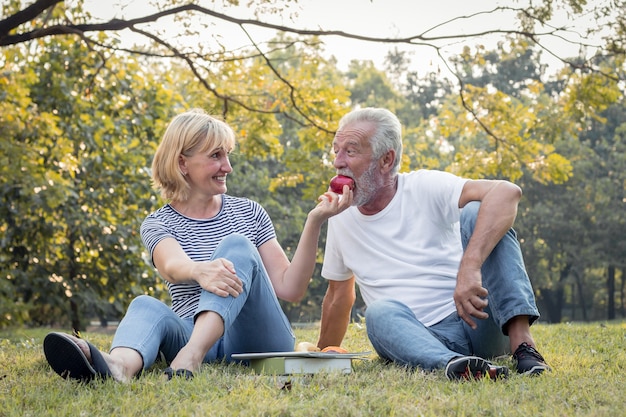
column 378, row 18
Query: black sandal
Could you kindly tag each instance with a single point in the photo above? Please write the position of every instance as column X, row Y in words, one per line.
column 69, row 361
column 185, row 373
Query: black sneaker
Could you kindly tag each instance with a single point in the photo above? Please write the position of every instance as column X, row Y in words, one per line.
column 473, row 367
column 529, row 361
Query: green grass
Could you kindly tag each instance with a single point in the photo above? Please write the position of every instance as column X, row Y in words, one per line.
column 588, row 379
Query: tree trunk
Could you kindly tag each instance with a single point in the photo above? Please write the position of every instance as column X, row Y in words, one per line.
column 75, row 316
column 573, row 301
column 581, row 295
column 72, row 274
column 622, row 305
column 551, row 303
column 610, row 290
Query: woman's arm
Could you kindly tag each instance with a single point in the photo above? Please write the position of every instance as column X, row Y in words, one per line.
column 291, row 279
column 217, row 276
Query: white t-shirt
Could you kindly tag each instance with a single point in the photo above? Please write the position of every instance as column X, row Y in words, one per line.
column 409, row 252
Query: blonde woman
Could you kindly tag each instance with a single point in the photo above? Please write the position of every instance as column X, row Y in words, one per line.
column 220, row 258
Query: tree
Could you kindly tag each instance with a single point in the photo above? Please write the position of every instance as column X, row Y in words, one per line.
column 573, row 230
column 77, row 142
column 82, row 113
column 553, row 116
column 87, row 124
column 533, row 23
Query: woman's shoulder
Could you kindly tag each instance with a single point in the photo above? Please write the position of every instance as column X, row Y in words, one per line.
column 235, row 201
column 163, row 211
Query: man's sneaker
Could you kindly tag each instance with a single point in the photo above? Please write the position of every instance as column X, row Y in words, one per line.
column 529, row 361
column 473, row 367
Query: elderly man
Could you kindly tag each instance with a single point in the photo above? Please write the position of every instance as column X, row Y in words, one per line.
column 435, row 257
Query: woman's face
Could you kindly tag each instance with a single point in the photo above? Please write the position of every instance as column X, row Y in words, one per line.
column 206, row 171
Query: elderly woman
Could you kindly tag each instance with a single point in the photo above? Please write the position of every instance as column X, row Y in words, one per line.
column 223, row 265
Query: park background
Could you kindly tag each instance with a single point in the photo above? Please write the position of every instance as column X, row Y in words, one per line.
column 85, row 100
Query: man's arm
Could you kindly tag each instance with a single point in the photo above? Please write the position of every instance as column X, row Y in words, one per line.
column 336, row 307
column 498, row 209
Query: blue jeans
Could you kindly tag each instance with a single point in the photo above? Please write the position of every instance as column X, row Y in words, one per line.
column 253, row 321
column 398, row 336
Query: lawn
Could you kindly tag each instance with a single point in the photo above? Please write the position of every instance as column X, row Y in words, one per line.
column 588, row 360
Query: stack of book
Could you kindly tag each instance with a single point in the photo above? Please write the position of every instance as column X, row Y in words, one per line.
column 289, row 363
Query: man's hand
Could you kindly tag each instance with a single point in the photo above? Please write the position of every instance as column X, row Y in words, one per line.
column 470, row 297
column 219, row 277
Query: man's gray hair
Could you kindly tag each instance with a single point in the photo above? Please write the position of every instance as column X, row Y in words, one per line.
column 388, row 134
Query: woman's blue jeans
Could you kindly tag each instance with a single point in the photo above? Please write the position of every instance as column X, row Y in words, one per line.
column 398, row 336
column 253, row 321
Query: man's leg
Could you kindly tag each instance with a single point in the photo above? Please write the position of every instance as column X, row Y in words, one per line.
column 487, row 340
column 399, row 337
column 511, row 298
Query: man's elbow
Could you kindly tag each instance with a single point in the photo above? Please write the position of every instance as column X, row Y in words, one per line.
column 514, row 190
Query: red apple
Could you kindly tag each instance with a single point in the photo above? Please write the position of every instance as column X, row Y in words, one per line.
column 337, row 182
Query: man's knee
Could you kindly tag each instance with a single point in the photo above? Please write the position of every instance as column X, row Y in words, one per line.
column 470, row 212
column 381, row 314
column 377, row 309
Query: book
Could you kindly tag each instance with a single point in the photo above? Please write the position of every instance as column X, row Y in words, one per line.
column 290, row 363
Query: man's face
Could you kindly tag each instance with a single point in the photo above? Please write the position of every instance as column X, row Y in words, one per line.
column 354, row 158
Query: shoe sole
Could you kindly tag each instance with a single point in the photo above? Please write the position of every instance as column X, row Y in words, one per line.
column 474, row 368
column 536, row 370
column 66, row 358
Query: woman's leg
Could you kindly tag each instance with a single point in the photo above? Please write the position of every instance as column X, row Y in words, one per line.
column 255, row 322
column 251, row 322
column 148, row 327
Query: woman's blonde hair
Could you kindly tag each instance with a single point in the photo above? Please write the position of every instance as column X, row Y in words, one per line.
column 187, row 134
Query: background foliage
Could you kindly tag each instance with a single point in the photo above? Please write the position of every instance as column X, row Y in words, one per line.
column 80, row 118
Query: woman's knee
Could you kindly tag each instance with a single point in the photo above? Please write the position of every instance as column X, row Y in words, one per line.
column 142, row 301
column 236, row 240
column 233, row 243
column 145, row 303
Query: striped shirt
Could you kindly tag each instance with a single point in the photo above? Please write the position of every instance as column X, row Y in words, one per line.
column 199, row 238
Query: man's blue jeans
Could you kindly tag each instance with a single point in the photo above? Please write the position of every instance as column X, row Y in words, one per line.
column 253, row 321
column 398, row 336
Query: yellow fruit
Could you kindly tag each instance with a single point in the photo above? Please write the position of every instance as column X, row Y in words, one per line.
column 306, row 347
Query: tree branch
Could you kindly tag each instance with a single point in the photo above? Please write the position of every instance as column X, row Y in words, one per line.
column 120, row 24
column 26, row 15
column 292, row 89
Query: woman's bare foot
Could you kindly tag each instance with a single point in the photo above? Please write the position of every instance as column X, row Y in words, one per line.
column 116, row 365
column 189, row 359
